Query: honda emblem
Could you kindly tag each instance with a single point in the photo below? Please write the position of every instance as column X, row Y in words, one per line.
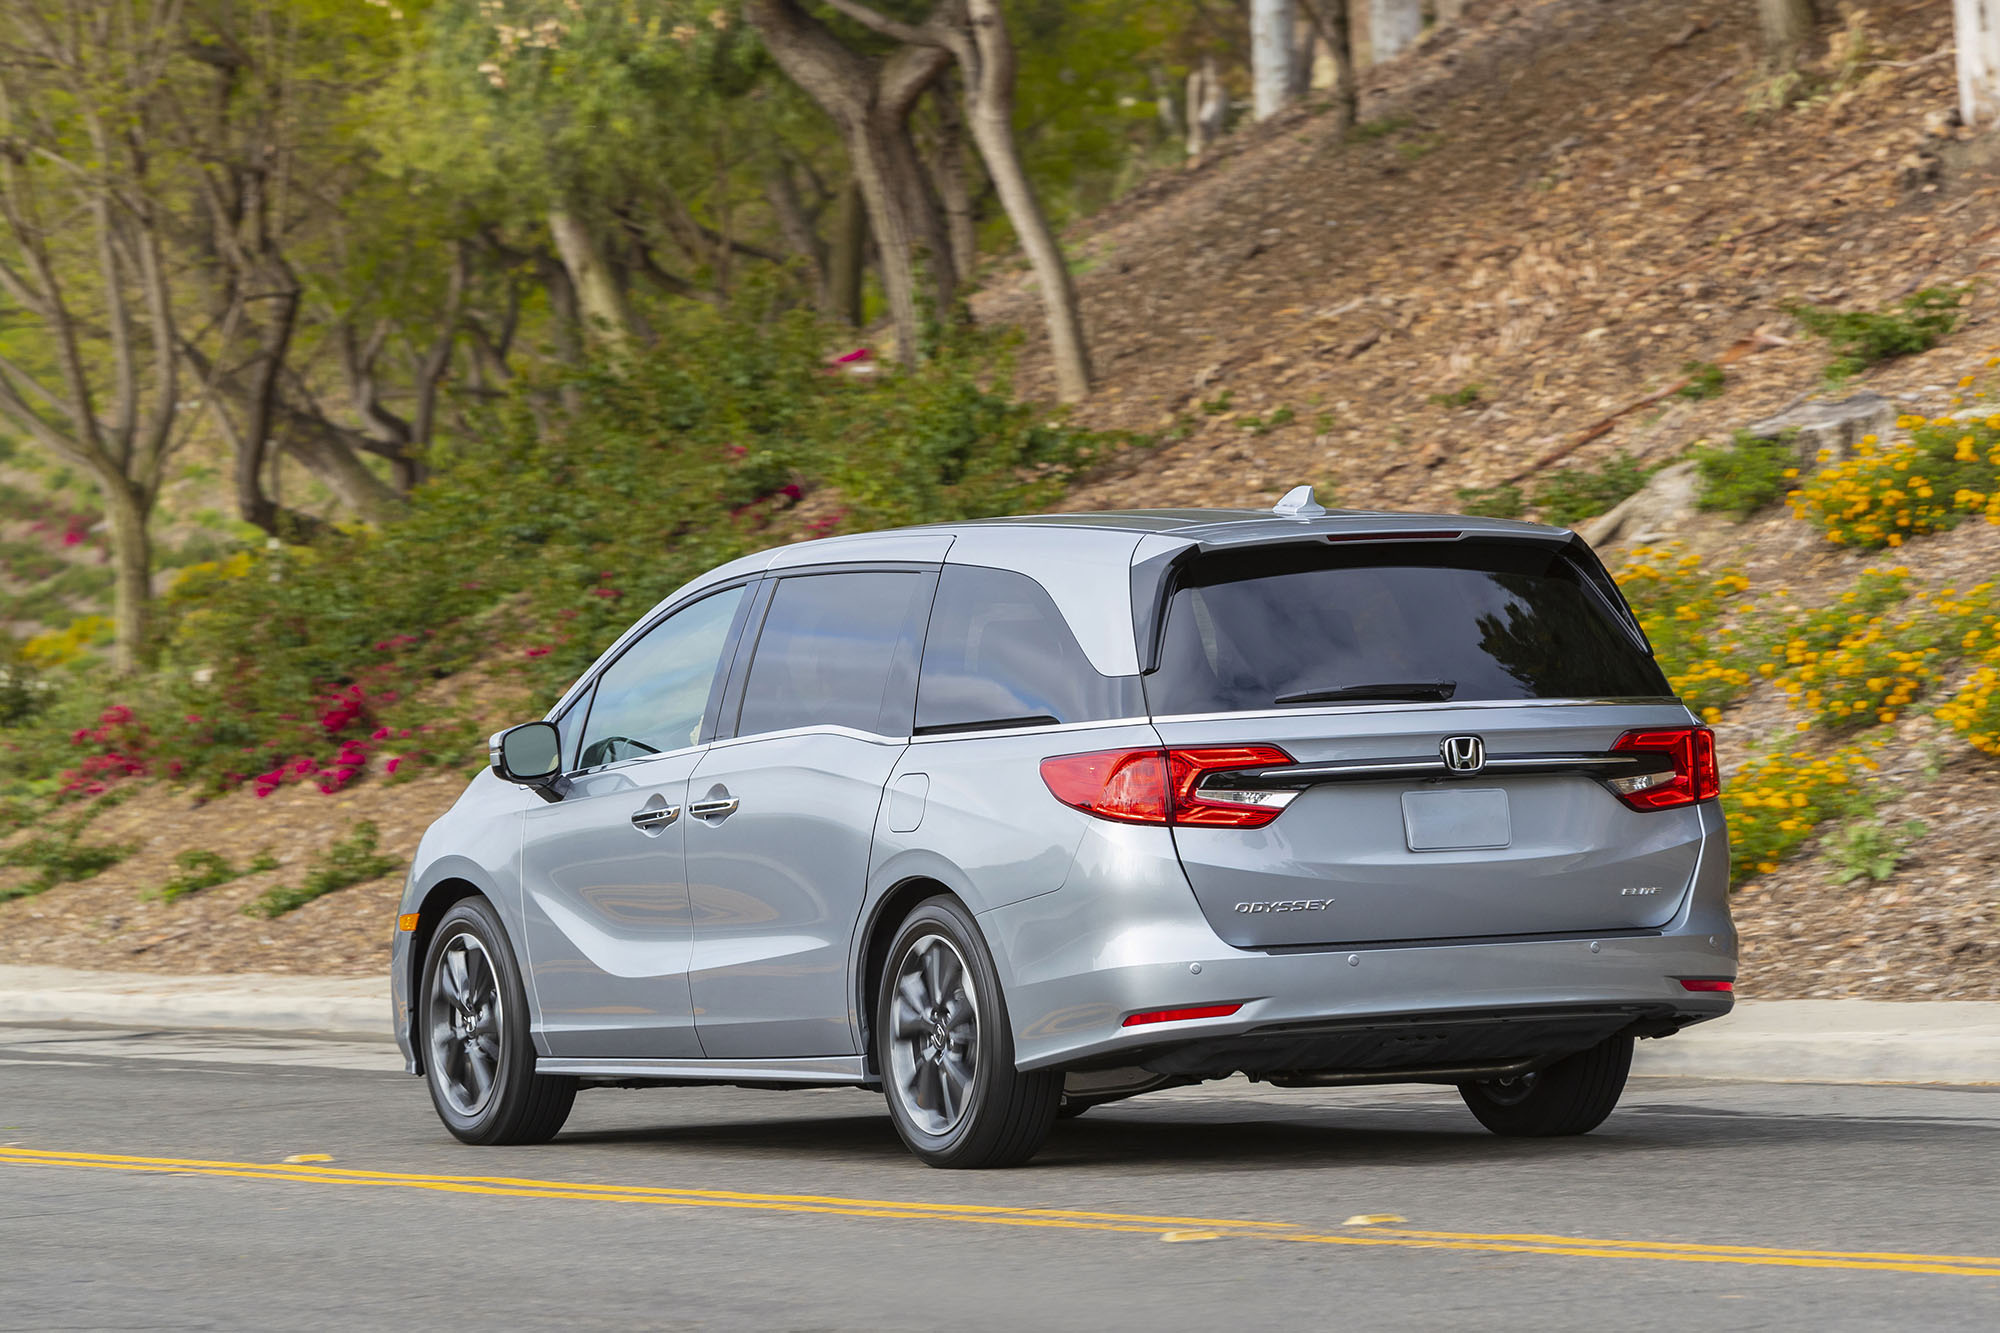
column 1463, row 754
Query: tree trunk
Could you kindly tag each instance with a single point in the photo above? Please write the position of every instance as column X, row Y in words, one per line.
column 132, row 586
column 1977, row 25
column 1392, row 26
column 331, row 457
column 801, row 238
column 1163, row 103
column 870, row 102
column 1270, row 57
column 597, row 293
column 1207, row 107
column 849, row 259
column 949, row 174
column 989, row 90
column 1787, row 27
column 1335, row 29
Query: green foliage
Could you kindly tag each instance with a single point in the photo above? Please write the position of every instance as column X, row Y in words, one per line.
column 56, row 857
column 1466, row 395
column 196, row 869
column 1868, row 850
column 1745, row 475
column 1704, row 380
column 1369, row 131
column 1861, row 338
column 1256, row 425
column 1504, row 501
column 350, row 861
column 1219, row 404
column 1576, row 493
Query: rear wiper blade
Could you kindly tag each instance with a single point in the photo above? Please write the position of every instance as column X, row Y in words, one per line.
column 1414, row 690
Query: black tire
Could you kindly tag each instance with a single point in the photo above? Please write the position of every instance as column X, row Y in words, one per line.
column 459, row 1042
column 1571, row 1096
column 1001, row 1115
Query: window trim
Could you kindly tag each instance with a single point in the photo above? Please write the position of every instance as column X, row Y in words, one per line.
column 908, row 656
column 586, row 699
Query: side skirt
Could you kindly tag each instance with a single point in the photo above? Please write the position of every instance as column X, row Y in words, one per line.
column 821, row 1069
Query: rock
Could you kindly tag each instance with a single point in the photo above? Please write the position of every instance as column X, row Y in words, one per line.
column 1655, row 512
column 1832, row 428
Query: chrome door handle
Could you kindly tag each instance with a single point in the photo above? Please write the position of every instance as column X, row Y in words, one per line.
column 658, row 816
column 714, row 809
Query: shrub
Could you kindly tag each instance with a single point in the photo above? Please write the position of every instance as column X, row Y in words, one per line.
column 1861, row 338
column 1492, row 501
column 57, row 857
column 350, row 861
column 1946, row 471
column 1777, row 803
column 1849, row 664
column 1973, row 710
column 1868, row 850
column 1466, row 395
column 195, row 870
column 1704, row 380
column 1745, row 475
column 1682, row 609
column 1574, row 494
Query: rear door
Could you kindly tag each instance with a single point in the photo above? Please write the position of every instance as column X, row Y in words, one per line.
column 1375, row 666
column 781, row 816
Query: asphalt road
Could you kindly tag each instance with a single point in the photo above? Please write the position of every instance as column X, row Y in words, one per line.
column 144, row 1183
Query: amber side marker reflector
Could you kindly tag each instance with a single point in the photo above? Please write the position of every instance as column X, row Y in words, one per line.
column 1176, row 1015
column 1698, row 983
column 407, row 921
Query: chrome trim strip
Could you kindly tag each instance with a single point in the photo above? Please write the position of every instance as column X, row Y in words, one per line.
column 818, row 729
column 1364, row 770
column 819, row 1069
column 1057, row 729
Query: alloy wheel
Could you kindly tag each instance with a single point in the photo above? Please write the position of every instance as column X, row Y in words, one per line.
column 465, row 1024
column 934, row 1035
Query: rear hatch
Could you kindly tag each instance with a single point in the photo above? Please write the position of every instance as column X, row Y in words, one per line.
column 1444, row 721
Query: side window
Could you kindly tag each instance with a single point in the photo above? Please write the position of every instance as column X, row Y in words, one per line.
column 828, row 653
column 1000, row 652
column 653, row 698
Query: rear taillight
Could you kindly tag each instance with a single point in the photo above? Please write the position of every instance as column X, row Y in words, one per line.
column 1691, row 777
column 1168, row 786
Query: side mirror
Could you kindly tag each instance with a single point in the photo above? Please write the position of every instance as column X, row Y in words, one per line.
column 530, row 755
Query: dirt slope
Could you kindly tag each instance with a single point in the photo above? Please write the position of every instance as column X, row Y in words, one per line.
column 1576, row 203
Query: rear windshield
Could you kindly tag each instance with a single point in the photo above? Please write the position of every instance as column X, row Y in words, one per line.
column 1318, row 625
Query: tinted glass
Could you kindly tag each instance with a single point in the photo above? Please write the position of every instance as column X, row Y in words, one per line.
column 653, row 697
column 827, row 653
column 1494, row 620
column 998, row 650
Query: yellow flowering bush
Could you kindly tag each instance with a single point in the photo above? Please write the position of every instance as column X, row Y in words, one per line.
column 1775, row 803
column 1680, row 607
column 1852, row 664
column 1974, row 710
column 1946, row 471
column 60, row 646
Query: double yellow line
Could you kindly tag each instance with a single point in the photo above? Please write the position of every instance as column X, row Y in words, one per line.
column 1170, row 1227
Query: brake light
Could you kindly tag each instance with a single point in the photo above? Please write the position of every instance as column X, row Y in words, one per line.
column 1693, row 776
column 1167, row 786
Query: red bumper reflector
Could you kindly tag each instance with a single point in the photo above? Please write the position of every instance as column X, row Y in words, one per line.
column 1176, row 1015
column 1697, row 983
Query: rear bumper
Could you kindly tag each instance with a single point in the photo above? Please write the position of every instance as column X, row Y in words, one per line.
column 1125, row 935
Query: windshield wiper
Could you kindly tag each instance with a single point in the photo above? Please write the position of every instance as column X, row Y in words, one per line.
column 1415, row 691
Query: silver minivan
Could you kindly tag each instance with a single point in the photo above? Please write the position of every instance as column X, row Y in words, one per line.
column 1016, row 817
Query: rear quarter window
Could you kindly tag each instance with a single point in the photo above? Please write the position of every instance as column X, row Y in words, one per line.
column 1482, row 620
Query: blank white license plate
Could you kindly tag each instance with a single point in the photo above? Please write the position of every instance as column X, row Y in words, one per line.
column 1456, row 820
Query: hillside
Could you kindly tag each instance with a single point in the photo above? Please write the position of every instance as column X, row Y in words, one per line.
column 1546, row 214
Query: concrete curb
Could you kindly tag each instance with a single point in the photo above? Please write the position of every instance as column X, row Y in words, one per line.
column 342, row 1007
column 1772, row 1041
column 1836, row 1041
